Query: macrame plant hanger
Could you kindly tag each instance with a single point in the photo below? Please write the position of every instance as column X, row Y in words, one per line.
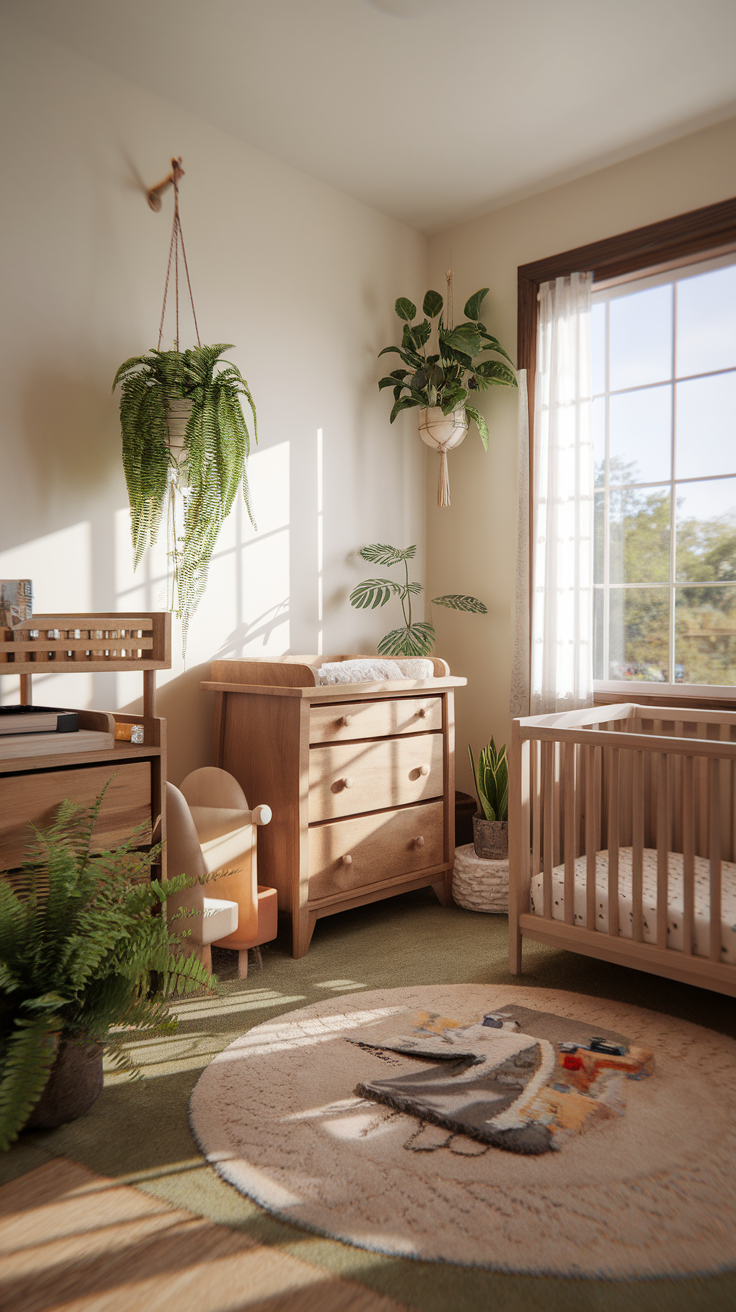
column 178, row 409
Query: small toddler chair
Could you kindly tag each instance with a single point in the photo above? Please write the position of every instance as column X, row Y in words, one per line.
column 226, row 831
column 214, row 917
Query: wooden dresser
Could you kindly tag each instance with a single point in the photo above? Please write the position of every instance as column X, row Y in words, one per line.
column 31, row 787
column 360, row 778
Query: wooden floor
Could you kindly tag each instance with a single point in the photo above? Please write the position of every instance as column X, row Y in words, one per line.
column 73, row 1240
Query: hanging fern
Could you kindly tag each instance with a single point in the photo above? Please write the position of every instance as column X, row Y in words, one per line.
column 213, row 463
column 82, row 956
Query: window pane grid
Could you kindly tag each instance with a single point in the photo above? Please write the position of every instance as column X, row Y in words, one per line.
column 665, row 581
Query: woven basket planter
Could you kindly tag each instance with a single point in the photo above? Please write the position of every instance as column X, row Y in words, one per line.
column 480, row 885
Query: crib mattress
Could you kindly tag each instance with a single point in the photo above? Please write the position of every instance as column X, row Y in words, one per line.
column 701, row 928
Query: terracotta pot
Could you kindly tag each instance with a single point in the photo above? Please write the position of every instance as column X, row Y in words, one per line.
column 490, row 838
column 178, row 410
column 74, row 1084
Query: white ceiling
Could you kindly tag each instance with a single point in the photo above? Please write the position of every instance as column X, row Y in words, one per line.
column 430, row 110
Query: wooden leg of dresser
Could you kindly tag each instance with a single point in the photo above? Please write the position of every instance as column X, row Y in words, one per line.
column 443, row 889
column 302, row 928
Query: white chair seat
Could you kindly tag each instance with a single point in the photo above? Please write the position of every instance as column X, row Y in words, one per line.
column 218, row 919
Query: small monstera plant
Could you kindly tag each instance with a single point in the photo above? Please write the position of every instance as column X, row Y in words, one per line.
column 414, row 637
column 459, row 366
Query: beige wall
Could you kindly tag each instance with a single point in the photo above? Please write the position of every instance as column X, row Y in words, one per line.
column 300, row 277
column 471, row 545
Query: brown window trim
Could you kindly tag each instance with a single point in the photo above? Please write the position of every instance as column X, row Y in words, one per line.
column 686, row 234
column 657, row 243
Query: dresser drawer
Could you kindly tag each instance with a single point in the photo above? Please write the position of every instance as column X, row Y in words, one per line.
column 348, row 854
column 348, row 720
column 349, row 778
column 35, row 798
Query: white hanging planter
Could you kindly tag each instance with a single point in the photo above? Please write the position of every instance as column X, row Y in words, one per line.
column 178, row 411
column 443, row 433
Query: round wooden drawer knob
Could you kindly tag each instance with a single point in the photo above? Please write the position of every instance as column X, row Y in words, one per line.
column 424, row 769
column 419, row 842
column 347, row 782
column 422, row 712
column 346, row 720
column 347, row 860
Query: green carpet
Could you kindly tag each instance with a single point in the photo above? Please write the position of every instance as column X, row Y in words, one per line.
column 139, row 1131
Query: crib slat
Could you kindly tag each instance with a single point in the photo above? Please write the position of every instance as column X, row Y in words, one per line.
column 613, row 832
column 715, row 860
column 592, row 809
column 688, row 854
column 536, row 752
column 662, row 847
column 637, row 846
column 557, row 793
column 548, row 786
column 569, row 802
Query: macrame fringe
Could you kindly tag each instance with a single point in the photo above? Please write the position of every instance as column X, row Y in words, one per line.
column 443, row 484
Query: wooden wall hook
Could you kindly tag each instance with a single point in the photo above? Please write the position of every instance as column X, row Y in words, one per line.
column 155, row 193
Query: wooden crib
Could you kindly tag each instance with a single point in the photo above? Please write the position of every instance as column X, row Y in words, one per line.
column 622, row 839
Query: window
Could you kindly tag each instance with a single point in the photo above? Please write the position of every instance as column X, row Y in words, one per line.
column 664, row 337
column 664, row 386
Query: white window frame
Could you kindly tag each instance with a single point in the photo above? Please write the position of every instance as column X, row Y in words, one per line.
column 659, row 275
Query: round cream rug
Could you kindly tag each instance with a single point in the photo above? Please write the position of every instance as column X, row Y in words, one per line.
column 649, row 1190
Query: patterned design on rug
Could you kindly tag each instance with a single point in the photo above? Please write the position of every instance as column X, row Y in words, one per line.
column 650, row 1194
column 518, row 1079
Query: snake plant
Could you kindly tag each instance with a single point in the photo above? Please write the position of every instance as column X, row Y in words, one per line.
column 212, row 467
column 415, row 637
column 492, row 781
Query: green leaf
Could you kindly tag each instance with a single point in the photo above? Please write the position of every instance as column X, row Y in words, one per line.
column 460, row 602
column 491, row 777
column 464, row 338
column 490, row 372
column 405, row 309
column 474, row 302
column 432, row 305
column 412, row 640
column 372, row 593
column 402, row 404
column 386, row 382
column 480, row 423
column 379, row 553
column 420, row 334
column 493, row 344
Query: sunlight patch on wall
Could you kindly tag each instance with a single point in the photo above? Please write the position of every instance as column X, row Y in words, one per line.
column 60, row 566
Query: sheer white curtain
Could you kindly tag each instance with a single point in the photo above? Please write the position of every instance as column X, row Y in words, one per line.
column 562, row 540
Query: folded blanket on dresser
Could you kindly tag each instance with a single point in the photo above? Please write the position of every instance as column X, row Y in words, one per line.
column 372, row 670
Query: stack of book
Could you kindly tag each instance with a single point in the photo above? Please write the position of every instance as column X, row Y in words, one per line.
column 46, row 731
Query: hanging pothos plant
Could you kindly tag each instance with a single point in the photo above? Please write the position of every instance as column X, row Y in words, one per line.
column 211, row 463
column 415, row 637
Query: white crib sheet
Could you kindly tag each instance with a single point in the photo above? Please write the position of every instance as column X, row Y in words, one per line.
column 701, row 942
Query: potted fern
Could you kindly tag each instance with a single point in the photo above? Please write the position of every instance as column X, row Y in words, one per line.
column 185, row 450
column 83, row 961
column 441, row 383
column 414, row 637
column 490, row 824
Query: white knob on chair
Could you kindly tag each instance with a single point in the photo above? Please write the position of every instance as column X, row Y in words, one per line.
column 347, row 782
column 424, row 769
column 347, row 860
column 261, row 815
